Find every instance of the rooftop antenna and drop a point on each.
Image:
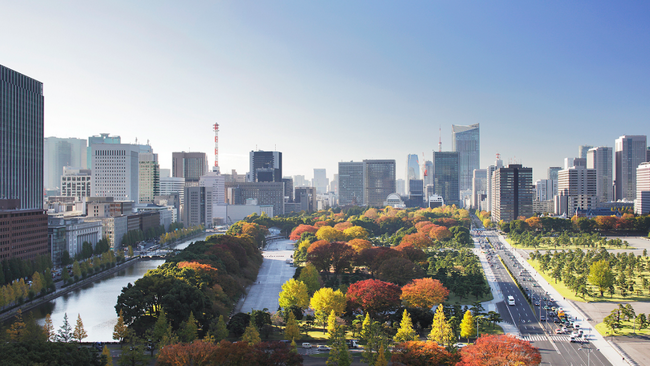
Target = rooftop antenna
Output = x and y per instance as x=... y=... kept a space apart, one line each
x=215 y=128
x=439 y=139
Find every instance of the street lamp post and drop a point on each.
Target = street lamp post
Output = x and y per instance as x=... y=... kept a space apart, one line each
x=589 y=350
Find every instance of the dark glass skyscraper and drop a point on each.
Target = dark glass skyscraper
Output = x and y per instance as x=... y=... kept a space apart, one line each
x=21 y=139
x=379 y=181
x=265 y=166
x=351 y=183
x=446 y=176
x=466 y=141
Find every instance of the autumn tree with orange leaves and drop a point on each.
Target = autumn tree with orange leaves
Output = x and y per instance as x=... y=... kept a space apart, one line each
x=373 y=296
x=199 y=353
x=424 y=293
x=500 y=350
x=298 y=231
x=418 y=353
x=440 y=233
x=417 y=240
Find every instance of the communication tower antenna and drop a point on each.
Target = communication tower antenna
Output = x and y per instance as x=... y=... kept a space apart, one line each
x=439 y=139
x=215 y=127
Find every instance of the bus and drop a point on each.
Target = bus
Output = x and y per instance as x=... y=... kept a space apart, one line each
x=511 y=301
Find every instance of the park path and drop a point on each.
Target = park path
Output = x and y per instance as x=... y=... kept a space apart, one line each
x=274 y=272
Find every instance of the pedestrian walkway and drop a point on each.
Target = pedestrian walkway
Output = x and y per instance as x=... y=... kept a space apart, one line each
x=596 y=338
x=508 y=328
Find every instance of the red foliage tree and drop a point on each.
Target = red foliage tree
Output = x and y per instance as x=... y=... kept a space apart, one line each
x=197 y=353
x=343 y=225
x=412 y=253
x=373 y=296
x=295 y=234
x=320 y=224
x=323 y=255
x=500 y=350
x=399 y=270
x=424 y=227
x=445 y=221
x=375 y=256
x=418 y=240
x=440 y=233
x=424 y=293
x=417 y=353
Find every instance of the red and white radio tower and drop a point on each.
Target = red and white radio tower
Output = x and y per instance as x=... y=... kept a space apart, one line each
x=215 y=127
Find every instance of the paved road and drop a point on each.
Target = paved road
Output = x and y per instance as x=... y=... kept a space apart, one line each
x=555 y=349
x=273 y=273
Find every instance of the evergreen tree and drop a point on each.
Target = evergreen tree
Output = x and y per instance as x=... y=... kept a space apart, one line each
x=65 y=332
x=467 y=325
x=220 y=331
x=189 y=330
x=339 y=354
x=405 y=333
x=251 y=335
x=440 y=330
x=79 y=332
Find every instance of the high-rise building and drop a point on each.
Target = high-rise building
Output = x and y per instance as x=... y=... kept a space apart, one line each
x=265 y=193
x=427 y=173
x=306 y=199
x=630 y=152
x=189 y=165
x=351 y=183
x=334 y=185
x=379 y=181
x=173 y=185
x=288 y=188
x=400 y=186
x=21 y=139
x=600 y=159
x=218 y=184
x=498 y=163
x=149 y=181
x=544 y=189
x=416 y=193
x=23 y=222
x=59 y=153
x=265 y=166
x=582 y=151
x=320 y=181
x=412 y=167
x=466 y=141
x=642 y=201
x=479 y=188
x=115 y=171
x=446 y=176
x=197 y=209
x=76 y=182
x=103 y=138
x=513 y=193
x=552 y=175
x=300 y=181
x=576 y=190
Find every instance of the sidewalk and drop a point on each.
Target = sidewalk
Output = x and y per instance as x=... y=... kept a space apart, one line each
x=595 y=338
x=496 y=291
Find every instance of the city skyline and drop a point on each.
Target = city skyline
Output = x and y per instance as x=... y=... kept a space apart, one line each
x=149 y=72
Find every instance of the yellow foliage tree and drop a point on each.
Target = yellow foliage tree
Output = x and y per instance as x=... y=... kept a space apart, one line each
x=330 y=234
x=467 y=325
x=294 y=293
x=355 y=232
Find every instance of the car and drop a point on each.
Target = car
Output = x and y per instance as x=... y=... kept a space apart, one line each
x=542 y=318
x=460 y=345
x=322 y=348
x=536 y=303
x=559 y=331
x=306 y=345
x=556 y=320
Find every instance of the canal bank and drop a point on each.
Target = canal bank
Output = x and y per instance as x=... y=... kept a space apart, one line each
x=95 y=299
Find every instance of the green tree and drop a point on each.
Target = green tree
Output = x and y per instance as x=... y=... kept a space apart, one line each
x=79 y=332
x=76 y=270
x=120 y=329
x=133 y=354
x=294 y=293
x=220 y=331
x=405 y=333
x=65 y=332
x=160 y=327
x=441 y=332
x=601 y=276
x=339 y=354
x=310 y=277
x=189 y=330
x=467 y=325
x=251 y=335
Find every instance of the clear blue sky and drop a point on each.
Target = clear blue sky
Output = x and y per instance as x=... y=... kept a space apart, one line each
x=334 y=81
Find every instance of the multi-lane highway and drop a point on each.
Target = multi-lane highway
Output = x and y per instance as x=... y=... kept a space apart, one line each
x=556 y=349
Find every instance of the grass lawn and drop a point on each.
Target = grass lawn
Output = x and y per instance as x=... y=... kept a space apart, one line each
x=625 y=331
x=567 y=247
x=569 y=294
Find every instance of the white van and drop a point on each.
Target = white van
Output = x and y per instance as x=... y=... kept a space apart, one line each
x=511 y=300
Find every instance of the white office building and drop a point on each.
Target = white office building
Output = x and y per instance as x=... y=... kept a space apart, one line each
x=600 y=159
x=76 y=182
x=642 y=201
x=115 y=171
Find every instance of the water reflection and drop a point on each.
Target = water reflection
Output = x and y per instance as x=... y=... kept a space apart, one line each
x=96 y=302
